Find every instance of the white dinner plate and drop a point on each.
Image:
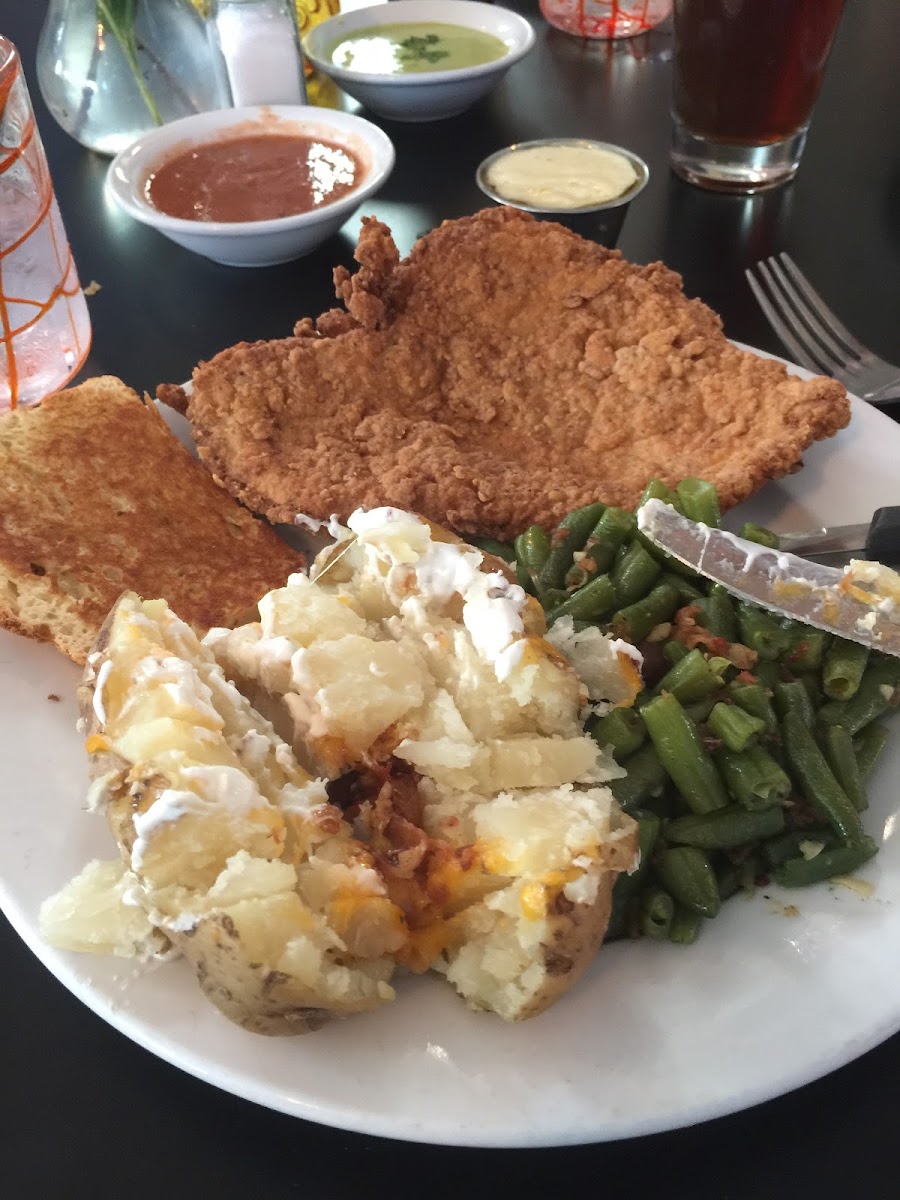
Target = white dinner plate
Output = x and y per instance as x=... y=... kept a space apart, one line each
x=654 y=1037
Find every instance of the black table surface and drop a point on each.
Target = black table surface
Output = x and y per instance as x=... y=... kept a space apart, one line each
x=85 y=1112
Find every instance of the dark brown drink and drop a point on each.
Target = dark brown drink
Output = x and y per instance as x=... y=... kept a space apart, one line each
x=747 y=72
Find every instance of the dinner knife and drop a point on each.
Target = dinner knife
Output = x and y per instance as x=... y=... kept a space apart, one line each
x=784 y=583
x=878 y=541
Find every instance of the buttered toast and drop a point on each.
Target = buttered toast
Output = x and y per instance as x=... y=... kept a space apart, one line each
x=98 y=496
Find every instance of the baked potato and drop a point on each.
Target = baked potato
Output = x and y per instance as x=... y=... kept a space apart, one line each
x=227 y=846
x=388 y=770
x=406 y=651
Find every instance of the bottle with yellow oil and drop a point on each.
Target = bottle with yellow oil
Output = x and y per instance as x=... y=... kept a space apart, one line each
x=311 y=13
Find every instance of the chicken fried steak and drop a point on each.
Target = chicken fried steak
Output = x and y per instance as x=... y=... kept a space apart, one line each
x=503 y=374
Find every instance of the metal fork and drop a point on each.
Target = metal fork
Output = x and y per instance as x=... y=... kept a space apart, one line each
x=815 y=336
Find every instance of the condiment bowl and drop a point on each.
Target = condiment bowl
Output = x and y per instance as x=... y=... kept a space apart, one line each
x=599 y=222
x=429 y=95
x=250 y=243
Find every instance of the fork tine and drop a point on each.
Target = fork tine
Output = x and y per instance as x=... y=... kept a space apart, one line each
x=816 y=302
x=842 y=358
x=797 y=349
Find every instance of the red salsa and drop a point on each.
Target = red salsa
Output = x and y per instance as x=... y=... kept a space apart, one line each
x=252 y=178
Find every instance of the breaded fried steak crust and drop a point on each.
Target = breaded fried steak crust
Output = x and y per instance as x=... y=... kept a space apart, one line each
x=504 y=373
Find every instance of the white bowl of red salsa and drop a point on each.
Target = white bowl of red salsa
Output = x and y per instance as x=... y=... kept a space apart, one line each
x=419 y=60
x=252 y=187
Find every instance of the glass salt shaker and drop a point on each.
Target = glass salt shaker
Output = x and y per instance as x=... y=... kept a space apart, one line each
x=260 y=54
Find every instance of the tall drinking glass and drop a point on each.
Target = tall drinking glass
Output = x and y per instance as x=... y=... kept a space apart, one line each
x=45 y=331
x=747 y=75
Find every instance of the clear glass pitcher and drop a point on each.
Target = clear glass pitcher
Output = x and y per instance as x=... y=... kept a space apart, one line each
x=109 y=70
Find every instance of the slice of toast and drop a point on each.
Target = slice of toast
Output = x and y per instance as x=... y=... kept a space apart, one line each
x=98 y=496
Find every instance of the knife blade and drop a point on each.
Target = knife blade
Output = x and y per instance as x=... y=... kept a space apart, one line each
x=879 y=540
x=784 y=583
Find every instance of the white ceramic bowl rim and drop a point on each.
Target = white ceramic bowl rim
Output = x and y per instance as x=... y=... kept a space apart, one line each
x=626 y=197
x=125 y=182
x=456 y=11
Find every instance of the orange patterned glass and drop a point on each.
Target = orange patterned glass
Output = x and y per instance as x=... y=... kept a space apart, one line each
x=45 y=331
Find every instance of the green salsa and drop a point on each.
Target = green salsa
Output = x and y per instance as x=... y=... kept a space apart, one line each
x=410 y=47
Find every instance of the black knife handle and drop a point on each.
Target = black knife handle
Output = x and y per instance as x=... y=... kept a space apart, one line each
x=883 y=542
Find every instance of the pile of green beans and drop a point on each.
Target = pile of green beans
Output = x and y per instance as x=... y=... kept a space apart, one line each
x=747 y=759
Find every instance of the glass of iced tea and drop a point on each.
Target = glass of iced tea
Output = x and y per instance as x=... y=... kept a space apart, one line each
x=747 y=74
x=45 y=331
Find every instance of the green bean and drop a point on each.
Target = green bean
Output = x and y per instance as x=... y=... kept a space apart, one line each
x=665 y=802
x=833 y=712
x=690 y=678
x=810 y=680
x=754 y=699
x=868 y=746
x=875 y=695
x=843 y=669
x=645 y=777
x=492 y=546
x=649 y=826
x=627 y=885
x=674 y=652
x=726 y=827
x=758 y=533
x=687 y=592
x=753 y=778
x=807 y=646
x=615 y=526
x=718 y=615
x=634 y=573
x=736 y=728
x=622 y=730
x=792 y=696
x=636 y=620
x=657 y=490
x=748 y=872
x=686 y=874
x=699 y=710
x=570 y=535
x=800 y=872
x=532 y=548
x=761 y=632
x=838 y=747
x=767 y=673
x=657 y=908
x=780 y=849
x=681 y=752
x=590 y=603
x=699 y=501
x=685 y=926
x=727 y=881
x=552 y=598
x=817 y=781
x=671 y=564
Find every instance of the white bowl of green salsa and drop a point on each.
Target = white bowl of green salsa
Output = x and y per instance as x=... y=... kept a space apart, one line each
x=419 y=60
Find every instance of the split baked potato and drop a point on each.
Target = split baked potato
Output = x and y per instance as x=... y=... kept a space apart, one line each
x=388 y=770
x=228 y=847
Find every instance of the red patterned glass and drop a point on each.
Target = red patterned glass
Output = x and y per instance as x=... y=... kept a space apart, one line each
x=605 y=18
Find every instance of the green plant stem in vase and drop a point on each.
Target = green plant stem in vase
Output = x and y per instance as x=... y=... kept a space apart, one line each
x=118 y=17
